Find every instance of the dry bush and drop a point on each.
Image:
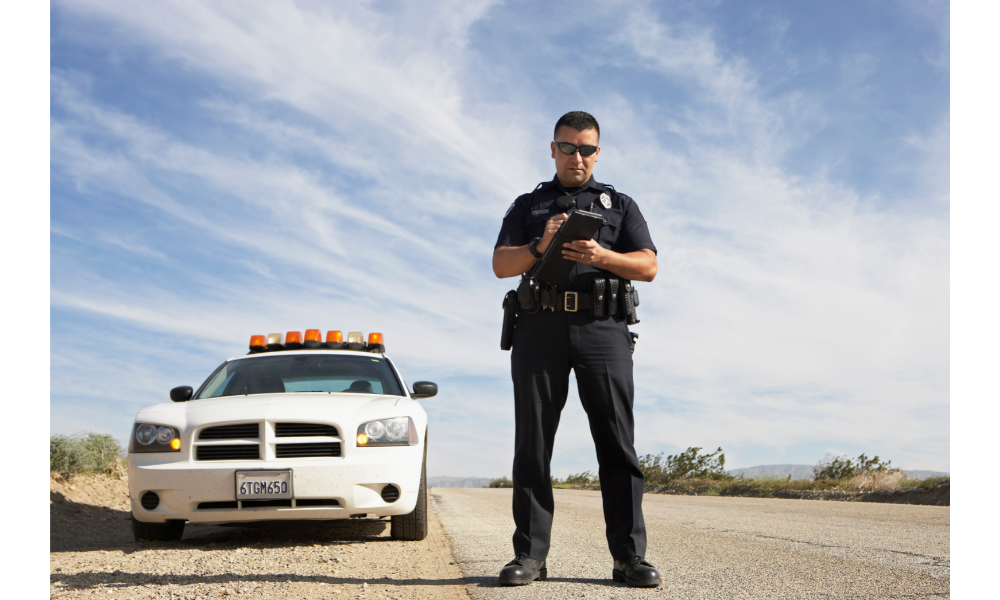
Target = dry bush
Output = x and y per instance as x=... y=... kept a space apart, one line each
x=870 y=481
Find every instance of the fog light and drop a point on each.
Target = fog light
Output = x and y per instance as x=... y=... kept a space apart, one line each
x=362 y=439
x=175 y=443
x=149 y=500
x=390 y=493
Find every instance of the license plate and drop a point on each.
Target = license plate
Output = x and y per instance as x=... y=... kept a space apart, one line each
x=263 y=485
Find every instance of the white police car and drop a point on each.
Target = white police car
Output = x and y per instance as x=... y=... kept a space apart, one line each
x=300 y=429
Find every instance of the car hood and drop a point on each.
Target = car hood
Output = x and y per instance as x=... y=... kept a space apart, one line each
x=338 y=408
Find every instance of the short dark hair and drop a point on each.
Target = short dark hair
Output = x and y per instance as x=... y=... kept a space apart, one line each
x=579 y=121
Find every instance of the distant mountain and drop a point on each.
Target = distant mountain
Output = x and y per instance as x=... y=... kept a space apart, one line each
x=796 y=471
x=926 y=474
x=806 y=472
x=458 y=482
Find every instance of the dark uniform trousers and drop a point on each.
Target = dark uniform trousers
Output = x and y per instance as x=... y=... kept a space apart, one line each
x=546 y=346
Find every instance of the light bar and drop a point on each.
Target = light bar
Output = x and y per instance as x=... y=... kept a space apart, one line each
x=334 y=340
x=355 y=340
x=295 y=340
x=312 y=339
x=274 y=342
x=258 y=343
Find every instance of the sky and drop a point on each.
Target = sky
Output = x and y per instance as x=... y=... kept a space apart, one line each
x=221 y=170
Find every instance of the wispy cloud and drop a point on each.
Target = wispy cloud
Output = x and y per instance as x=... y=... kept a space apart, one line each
x=309 y=165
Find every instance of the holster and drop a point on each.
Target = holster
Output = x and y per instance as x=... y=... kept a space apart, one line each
x=509 y=320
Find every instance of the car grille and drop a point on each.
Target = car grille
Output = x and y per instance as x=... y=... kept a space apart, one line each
x=228 y=452
x=263 y=438
x=301 y=503
x=238 y=431
x=304 y=430
x=266 y=503
x=307 y=450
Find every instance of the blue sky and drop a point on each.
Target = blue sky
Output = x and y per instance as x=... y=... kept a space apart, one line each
x=221 y=170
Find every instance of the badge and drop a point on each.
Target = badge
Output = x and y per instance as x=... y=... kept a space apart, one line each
x=605 y=201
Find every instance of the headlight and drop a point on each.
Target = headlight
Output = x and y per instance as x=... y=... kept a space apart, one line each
x=387 y=432
x=155 y=438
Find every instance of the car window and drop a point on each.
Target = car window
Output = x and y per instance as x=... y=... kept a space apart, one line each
x=289 y=373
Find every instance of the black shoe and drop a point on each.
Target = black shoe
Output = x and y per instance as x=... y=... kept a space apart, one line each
x=636 y=573
x=522 y=571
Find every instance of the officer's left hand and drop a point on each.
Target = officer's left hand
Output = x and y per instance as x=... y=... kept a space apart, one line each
x=587 y=252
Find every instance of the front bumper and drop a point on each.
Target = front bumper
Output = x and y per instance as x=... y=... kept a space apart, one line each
x=355 y=482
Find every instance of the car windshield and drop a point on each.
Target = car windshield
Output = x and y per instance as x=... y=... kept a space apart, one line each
x=338 y=373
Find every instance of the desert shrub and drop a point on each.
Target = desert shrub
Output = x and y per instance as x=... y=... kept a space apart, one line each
x=926 y=484
x=842 y=467
x=690 y=464
x=500 y=482
x=584 y=478
x=877 y=480
x=91 y=453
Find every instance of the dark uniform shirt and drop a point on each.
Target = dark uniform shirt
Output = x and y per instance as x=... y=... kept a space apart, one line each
x=624 y=229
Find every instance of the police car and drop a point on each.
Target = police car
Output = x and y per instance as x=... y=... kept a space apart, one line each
x=297 y=429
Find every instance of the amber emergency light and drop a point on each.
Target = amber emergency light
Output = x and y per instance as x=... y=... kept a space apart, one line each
x=258 y=343
x=334 y=340
x=375 y=342
x=293 y=340
x=176 y=442
x=362 y=439
x=312 y=339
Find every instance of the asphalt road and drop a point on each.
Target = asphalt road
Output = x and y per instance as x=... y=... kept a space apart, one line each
x=714 y=547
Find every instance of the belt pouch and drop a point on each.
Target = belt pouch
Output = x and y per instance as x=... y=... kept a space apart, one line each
x=598 y=290
x=628 y=308
x=527 y=295
x=613 y=296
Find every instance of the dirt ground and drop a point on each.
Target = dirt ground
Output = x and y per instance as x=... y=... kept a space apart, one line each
x=93 y=554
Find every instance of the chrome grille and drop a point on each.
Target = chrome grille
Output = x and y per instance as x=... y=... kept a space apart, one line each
x=307 y=450
x=304 y=430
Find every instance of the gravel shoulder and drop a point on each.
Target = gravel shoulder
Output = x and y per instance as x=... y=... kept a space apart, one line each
x=92 y=554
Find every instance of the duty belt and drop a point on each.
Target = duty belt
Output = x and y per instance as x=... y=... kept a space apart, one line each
x=607 y=298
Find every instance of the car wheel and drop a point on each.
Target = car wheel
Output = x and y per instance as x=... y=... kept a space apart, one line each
x=414 y=525
x=171 y=531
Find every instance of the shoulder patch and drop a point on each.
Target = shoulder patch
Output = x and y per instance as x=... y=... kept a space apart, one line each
x=509 y=208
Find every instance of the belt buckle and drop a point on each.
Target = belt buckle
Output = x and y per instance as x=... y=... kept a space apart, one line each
x=567 y=302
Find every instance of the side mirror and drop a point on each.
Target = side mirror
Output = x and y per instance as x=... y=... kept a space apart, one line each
x=182 y=393
x=424 y=389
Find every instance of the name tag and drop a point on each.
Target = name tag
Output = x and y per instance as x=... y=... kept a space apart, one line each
x=535 y=213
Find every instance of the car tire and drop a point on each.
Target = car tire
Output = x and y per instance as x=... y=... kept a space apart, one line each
x=413 y=527
x=171 y=531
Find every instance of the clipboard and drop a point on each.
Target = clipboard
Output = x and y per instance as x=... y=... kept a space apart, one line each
x=552 y=268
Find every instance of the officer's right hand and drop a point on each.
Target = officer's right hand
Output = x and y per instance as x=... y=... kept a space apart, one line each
x=551 y=227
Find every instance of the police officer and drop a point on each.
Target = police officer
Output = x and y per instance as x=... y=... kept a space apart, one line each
x=548 y=344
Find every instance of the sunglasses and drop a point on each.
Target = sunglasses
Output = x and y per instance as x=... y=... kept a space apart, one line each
x=568 y=148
